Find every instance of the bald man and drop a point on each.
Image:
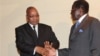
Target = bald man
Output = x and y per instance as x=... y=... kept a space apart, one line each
x=30 y=37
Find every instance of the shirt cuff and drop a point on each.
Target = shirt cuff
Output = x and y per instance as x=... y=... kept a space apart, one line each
x=34 y=51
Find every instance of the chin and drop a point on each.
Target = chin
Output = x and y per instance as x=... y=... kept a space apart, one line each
x=35 y=23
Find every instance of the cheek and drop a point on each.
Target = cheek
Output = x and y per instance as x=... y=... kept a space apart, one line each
x=73 y=13
x=34 y=19
x=31 y=20
x=77 y=14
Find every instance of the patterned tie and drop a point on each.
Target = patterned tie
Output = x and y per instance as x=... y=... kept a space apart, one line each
x=35 y=35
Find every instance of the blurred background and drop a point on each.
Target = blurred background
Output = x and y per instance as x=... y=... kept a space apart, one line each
x=52 y=12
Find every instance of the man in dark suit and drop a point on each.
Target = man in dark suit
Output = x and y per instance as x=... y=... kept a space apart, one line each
x=30 y=37
x=84 y=37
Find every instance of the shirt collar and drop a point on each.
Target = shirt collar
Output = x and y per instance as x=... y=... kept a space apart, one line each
x=82 y=17
x=36 y=26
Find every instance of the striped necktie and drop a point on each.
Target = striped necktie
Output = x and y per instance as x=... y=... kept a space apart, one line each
x=35 y=35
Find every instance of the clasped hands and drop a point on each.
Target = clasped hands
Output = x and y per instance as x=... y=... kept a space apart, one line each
x=48 y=50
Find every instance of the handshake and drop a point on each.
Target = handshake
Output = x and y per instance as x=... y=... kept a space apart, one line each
x=48 y=50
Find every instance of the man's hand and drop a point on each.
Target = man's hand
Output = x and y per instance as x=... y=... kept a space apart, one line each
x=51 y=50
x=47 y=45
x=41 y=50
x=48 y=50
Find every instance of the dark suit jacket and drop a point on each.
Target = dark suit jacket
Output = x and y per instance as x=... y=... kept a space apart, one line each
x=85 y=40
x=25 y=40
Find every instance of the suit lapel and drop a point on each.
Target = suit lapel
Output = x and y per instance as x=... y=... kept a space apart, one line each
x=29 y=30
x=84 y=24
x=40 y=30
x=72 y=31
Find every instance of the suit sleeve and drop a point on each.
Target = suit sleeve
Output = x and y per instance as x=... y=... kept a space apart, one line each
x=95 y=47
x=53 y=39
x=20 y=44
x=63 y=52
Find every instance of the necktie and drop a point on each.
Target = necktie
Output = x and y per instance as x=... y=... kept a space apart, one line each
x=77 y=24
x=35 y=35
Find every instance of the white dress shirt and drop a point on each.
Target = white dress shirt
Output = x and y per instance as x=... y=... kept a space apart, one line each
x=81 y=18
